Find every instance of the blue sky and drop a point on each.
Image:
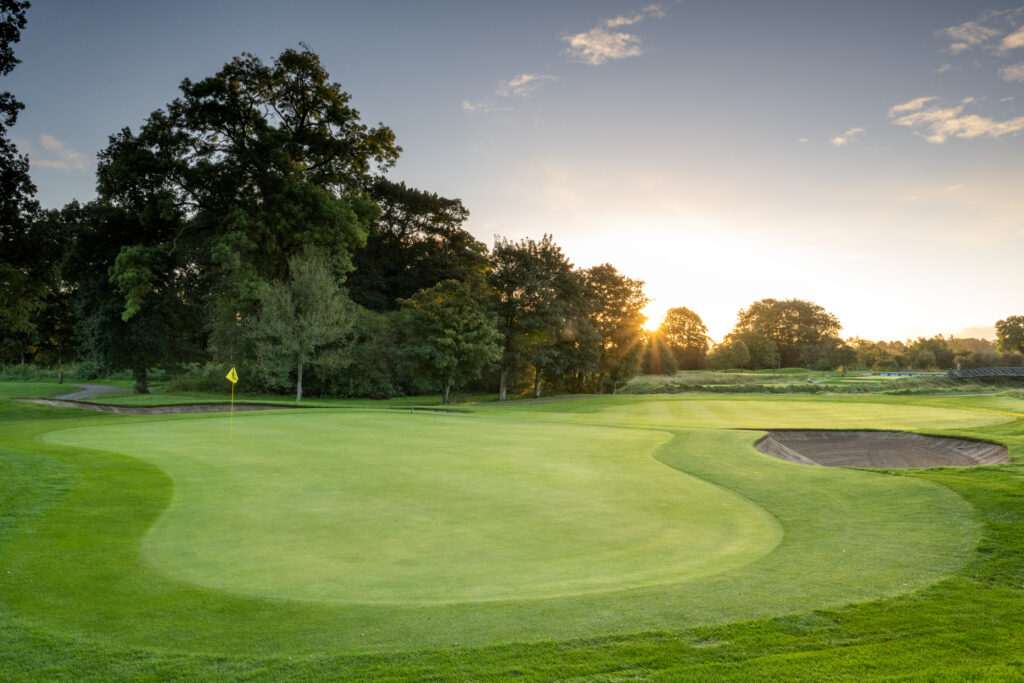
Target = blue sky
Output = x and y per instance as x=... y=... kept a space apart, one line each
x=867 y=156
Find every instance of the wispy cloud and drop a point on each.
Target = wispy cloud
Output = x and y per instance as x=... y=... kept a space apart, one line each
x=600 y=45
x=652 y=11
x=967 y=35
x=61 y=156
x=912 y=105
x=944 y=68
x=1013 y=41
x=986 y=30
x=524 y=85
x=937 y=123
x=847 y=137
x=482 y=107
x=1014 y=72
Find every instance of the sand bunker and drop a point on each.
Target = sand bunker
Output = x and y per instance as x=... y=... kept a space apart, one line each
x=879 y=449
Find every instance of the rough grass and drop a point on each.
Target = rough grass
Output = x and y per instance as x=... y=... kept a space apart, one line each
x=965 y=626
x=797 y=381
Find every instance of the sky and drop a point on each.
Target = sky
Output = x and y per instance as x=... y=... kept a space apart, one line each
x=867 y=156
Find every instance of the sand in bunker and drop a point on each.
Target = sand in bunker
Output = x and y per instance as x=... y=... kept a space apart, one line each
x=879 y=449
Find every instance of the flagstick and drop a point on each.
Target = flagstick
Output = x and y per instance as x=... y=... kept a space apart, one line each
x=231 y=415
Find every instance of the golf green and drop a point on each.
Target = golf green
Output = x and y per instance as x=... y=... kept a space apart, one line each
x=395 y=508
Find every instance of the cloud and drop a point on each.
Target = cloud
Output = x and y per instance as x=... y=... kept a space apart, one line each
x=954 y=188
x=654 y=11
x=968 y=35
x=944 y=68
x=599 y=45
x=1014 y=72
x=483 y=107
x=937 y=124
x=847 y=137
x=524 y=85
x=802 y=140
x=912 y=105
x=983 y=32
x=66 y=158
x=1013 y=41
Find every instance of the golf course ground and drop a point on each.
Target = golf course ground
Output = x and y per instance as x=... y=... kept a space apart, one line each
x=595 y=538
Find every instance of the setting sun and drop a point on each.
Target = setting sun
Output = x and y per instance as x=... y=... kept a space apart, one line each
x=655 y=313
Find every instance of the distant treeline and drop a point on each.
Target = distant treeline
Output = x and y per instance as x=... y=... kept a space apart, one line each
x=795 y=333
x=251 y=223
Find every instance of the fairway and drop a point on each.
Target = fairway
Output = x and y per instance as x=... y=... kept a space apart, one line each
x=355 y=530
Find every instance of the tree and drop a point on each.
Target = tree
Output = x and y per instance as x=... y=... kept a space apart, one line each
x=930 y=353
x=450 y=338
x=846 y=357
x=163 y=332
x=618 y=318
x=793 y=325
x=740 y=353
x=686 y=335
x=763 y=352
x=1010 y=334
x=373 y=359
x=300 y=318
x=540 y=307
x=25 y=266
x=720 y=357
x=237 y=176
x=658 y=355
x=417 y=242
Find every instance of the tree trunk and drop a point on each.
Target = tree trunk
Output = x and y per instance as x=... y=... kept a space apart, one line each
x=446 y=395
x=536 y=382
x=503 y=384
x=141 y=381
x=298 y=383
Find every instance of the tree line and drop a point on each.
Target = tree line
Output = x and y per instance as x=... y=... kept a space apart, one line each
x=796 y=333
x=251 y=222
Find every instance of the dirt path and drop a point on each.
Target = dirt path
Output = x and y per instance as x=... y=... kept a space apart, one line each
x=88 y=391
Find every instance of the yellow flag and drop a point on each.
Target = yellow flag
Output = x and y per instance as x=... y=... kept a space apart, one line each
x=233 y=376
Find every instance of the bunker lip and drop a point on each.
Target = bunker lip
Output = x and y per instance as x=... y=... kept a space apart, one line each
x=157 y=410
x=182 y=408
x=878 y=449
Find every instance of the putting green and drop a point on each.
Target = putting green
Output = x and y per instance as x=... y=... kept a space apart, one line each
x=362 y=530
x=398 y=508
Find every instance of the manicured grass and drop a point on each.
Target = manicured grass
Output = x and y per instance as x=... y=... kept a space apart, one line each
x=80 y=601
x=379 y=508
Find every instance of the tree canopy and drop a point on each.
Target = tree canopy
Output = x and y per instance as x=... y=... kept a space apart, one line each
x=1010 y=334
x=450 y=336
x=240 y=173
x=26 y=260
x=801 y=332
x=686 y=335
